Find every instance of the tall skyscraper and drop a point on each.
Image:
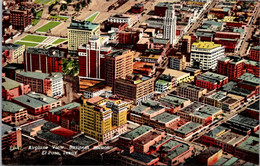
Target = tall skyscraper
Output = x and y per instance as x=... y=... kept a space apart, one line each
x=79 y=33
x=169 y=25
x=89 y=58
x=118 y=65
x=102 y=118
x=92 y=58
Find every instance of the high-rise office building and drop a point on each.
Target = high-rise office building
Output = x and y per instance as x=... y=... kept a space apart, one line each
x=102 y=118
x=20 y=19
x=89 y=58
x=207 y=54
x=79 y=33
x=118 y=65
x=45 y=60
x=169 y=25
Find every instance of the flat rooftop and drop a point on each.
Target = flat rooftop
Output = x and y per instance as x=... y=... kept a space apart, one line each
x=212 y=77
x=216 y=131
x=143 y=108
x=30 y=126
x=250 y=78
x=206 y=111
x=116 y=53
x=162 y=141
x=200 y=110
x=141 y=157
x=251 y=144
x=173 y=99
x=231 y=138
x=205 y=45
x=254 y=106
x=245 y=121
x=83 y=25
x=8 y=106
x=218 y=95
x=58 y=110
x=5 y=129
x=175 y=73
x=188 y=127
x=191 y=87
x=40 y=76
x=83 y=140
x=137 y=132
x=35 y=100
x=9 y=84
x=165 y=117
x=144 y=139
x=164 y=4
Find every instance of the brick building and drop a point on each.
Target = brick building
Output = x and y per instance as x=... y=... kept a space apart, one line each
x=252 y=67
x=200 y=113
x=223 y=138
x=37 y=104
x=45 y=60
x=249 y=82
x=231 y=66
x=211 y=80
x=13 y=114
x=254 y=53
x=13 y=51
x=67 y=116
x=49 y=84
x=161 y=7
x=249 y=150
x=134 y=87
x=174 y=102
x=223 y=100
x=92 y=59
x=137 y=8
x=192 y=92
x=20 y=19
x=177 y=62
x=130 y=35
x=11 y=137
x=118 y=65
x=185 y=44
x=12 y=89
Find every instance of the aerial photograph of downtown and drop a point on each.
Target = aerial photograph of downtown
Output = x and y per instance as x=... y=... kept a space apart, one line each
x=130 y=82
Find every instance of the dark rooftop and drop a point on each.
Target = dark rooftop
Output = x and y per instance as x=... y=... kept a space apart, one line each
x=139 y=157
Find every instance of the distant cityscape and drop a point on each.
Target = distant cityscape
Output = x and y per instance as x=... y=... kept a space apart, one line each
x=130 y=82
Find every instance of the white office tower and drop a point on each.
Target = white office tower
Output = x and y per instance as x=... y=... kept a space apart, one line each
x=169 y=26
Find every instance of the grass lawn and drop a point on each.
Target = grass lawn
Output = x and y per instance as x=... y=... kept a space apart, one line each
x=92 y=18
x=59 y=17
x=27 y=44
x=34 y=38
x=46 y=1
x=48 y=26
x=35 y=21
x=38 y=1
x=39 y=14
x=58 y=41
x=38 y=17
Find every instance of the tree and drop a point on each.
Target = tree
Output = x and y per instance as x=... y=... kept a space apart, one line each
x=77 y=7
x=33 y=12
x=83 y=4
x=63 y=7
x=50 y=8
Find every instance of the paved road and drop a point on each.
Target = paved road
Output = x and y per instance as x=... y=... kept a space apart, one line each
x=249 y=30
x=200 y=20
x=226 y=117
